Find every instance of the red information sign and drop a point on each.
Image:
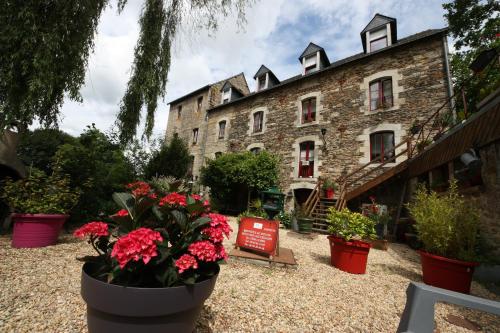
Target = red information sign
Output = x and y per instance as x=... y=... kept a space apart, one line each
x=258 y=235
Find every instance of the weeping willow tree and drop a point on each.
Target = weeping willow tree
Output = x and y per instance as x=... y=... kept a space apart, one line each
x=45 y=46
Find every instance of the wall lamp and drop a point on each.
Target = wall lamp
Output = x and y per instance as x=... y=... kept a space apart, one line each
x=323 y=133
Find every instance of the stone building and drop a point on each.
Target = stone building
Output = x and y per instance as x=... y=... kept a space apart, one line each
x=329 y=119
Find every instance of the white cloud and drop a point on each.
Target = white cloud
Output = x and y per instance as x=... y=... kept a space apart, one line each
x=275 y=34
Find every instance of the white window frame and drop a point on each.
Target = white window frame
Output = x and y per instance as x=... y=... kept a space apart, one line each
x=251 y=114
x=364 y=140
x=318 y=143
x=319 y=109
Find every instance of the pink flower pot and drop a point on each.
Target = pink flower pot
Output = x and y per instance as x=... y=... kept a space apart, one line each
x=36 y=230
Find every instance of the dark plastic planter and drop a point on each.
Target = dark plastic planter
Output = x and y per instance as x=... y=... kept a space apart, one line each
x=451 y=274
x=36 y=230
x=351 y=256
x=112 y=308
x=305 y=224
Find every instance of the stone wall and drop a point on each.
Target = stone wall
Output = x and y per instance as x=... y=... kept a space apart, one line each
x=487 y=198
x=420 y=87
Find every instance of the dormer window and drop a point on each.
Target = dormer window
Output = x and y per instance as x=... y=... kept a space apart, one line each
x=310 y=64
x=226 y=95
x=262 y=82
x=378 y=39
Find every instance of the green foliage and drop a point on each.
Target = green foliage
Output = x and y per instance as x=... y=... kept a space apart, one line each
x=328 y=183
x=255 y=210
x=285 y=219
x=474 y=25
x=40 y=194
x=349 y=225
x=446 y=224
x=99 y=167
x=164 y=185
x=37 y=148
x=44 y=48
x=257 y=172
x=171 y=159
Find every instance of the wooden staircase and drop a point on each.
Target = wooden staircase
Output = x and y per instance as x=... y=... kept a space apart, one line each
x=320 y=213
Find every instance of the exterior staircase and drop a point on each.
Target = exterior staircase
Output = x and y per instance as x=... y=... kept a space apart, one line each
x=319 y=214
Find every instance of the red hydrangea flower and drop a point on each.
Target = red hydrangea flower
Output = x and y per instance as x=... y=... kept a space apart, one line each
x=215 y=234
x=95 y=228
x=206 y=204
x=185 y=262
x=137 y=244
x=139 y=189
x=219 y=221
x=221 y=251
x=204 y=250
x=122 y=212
x=196 y=197
x=173 y=198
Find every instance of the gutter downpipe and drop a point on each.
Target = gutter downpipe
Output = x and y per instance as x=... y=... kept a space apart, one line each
x=448 y=77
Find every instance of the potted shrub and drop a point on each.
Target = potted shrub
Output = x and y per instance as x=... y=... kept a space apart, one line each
x=304 y=221
x=349 y=252
x=447 y=227
x=329 y=188
x=381 y=218
x=40 y=204
x=156 y=264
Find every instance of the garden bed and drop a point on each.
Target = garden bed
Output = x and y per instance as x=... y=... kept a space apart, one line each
x=38 y=296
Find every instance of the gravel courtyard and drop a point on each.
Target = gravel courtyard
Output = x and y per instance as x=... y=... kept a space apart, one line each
x=40 y=292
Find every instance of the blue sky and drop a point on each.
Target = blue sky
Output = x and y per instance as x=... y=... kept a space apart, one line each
x=277 y=31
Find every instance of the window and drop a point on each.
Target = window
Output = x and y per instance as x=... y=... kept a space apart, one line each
x=381 y=94
x=306 y=159
x=378 y=39
x=199 y=103
x=258 y=120
x=222 y=129
x=310 y=64
x=226 y=95
x=255 y=150
x=218 y=154
x=195 y=136
x=382 y=146
x=308 y=110
x=262 y=82
x=179 y=111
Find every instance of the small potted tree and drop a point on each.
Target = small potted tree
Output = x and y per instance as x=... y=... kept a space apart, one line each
x=447 y=227
x=40 y=205
x=329 y=187
x=381 y=218
x=349 y=252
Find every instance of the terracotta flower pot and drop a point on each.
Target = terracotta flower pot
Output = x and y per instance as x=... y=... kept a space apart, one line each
x=36 y=230
x=451 y=274
x=112 y=308
x=349 y=256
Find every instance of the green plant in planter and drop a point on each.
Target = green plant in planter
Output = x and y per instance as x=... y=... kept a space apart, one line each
x=285 y=219
x=40 y=194
x=350 y=225
x=329 y=184
x=446 y=224
x=422 y=144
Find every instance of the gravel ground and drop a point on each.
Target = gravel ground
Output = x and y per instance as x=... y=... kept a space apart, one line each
x=39 y=292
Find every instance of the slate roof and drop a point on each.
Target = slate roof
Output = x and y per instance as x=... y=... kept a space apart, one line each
x=312 y=49
x=377 y=21
x=339 y=63
x=263 y=70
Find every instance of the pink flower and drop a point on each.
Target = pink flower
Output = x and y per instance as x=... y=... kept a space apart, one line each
x=206 y=204
x=173 y=199
x=122 y=212
x=139 y=189
x=215 y=234
x=204 y=250
x=185 y=262
x=93 y=228
x=196 y=197
x=137 y=244
x=219 y=221
x=221 y=251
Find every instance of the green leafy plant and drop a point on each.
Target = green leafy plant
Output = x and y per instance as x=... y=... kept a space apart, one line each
x=423 y=144
x=285 y=219
x=328 y=183
x=350 y=225
x=255 y=210
x=40 y=194
x=446 y=224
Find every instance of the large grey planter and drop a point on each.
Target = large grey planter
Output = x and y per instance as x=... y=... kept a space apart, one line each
x=112 y=308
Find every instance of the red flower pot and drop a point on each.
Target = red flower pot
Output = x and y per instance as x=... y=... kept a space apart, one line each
x=36 y=230
x=329 y=193
x=451 y=274
x=349 y=256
